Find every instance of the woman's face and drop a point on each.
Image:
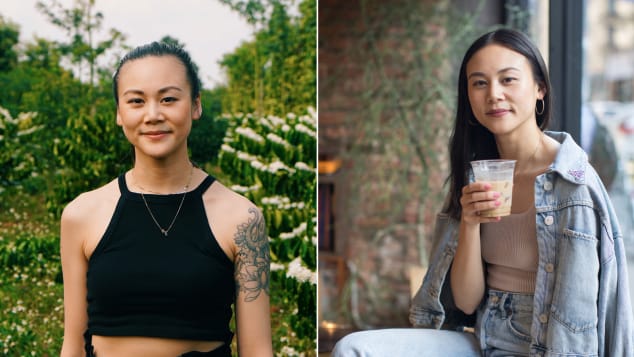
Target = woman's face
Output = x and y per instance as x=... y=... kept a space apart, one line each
x=155 y=106
x=501 y=88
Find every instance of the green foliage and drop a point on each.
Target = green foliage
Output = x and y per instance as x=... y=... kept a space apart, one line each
x=43 y=54
x=271 y=160
x=293 y=314
x=9 y=35
x=18 y=154
x=272 y=153
x=93 y=149
x=275 y=73
x=305 y=82
x=31 y=298
x=252 y=10
x=39 y=75
x=207 y=133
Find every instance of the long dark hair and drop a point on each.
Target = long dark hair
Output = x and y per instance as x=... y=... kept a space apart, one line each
x=472 y=141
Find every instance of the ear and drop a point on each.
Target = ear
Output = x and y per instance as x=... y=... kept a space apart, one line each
x=197 y=109
x=119 y=121
x=541 y=91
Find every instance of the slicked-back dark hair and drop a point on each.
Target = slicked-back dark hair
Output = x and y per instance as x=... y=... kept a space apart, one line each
x=159 y=49
x=472 y=141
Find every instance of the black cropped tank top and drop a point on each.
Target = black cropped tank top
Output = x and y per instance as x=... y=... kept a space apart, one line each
x=142 y=283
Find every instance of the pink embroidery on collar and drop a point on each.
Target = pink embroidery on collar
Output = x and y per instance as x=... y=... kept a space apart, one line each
x=577 y=174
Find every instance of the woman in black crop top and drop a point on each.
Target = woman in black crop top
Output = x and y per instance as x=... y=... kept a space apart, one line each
x=154 y=261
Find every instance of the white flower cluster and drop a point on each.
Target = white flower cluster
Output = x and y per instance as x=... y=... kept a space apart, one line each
x=308 y=120
x=250 y=133
x=246 y=156
x=278 y=140
x=283 y=202
x=254 y=161
x=300 y=272
x=303 y=166
x=257 y=165
x=288 y=351
x=304 y=129
x=276 y=166
x=276 y=200
x=277 y=266
x=26 y=116
x=5 y=117
x=312 y=112
x=265 y=122
x=227 y=148
x=272 y=167
x=276 y=121
x=297 y=231
x=30 y=130
x=244 y=189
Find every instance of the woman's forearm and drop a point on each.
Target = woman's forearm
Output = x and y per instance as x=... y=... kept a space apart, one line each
x=467 y=272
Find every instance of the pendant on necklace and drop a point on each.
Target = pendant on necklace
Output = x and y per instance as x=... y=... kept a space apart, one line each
x=164 y=232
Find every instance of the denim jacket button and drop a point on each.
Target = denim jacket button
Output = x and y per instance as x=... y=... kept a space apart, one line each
x=550 y=267
x=548 y=185
x=549 y=220
x=543 y=318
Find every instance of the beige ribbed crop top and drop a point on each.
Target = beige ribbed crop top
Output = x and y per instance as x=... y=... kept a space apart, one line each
x=509 y=248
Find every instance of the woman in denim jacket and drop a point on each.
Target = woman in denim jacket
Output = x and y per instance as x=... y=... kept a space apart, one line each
x=548 y=280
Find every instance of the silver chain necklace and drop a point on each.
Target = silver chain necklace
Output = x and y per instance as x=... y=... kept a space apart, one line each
x=165 y=231
x=539 y=144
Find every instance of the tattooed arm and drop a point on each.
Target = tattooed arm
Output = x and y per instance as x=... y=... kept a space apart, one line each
x=241 y=232
x=252 y=262
x=252 y=258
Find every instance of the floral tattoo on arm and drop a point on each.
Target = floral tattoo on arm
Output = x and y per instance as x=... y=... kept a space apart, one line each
x=253 y=257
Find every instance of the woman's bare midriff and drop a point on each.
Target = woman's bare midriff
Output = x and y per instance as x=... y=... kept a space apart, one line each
x=115 y=346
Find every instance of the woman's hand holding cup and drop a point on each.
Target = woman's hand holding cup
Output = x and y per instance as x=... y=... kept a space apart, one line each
x=477 y=197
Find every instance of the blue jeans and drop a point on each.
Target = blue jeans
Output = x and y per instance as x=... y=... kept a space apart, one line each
x=504 y=324
x=502 y=329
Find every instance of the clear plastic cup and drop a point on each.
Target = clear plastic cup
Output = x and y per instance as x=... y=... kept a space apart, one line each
x=499 y=173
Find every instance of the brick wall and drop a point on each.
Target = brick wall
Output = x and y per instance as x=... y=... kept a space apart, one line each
x=382 y=224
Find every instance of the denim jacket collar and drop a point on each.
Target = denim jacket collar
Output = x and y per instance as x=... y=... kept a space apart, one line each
x=571 y=161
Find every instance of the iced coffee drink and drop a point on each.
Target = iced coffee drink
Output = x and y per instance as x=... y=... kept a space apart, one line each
x=499 y=173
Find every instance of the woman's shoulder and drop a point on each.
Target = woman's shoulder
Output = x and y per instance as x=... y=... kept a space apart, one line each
x=230 y=215
x=88 y=203
x=230 y=204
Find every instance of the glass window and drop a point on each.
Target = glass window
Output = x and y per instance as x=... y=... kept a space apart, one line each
x=608 y=109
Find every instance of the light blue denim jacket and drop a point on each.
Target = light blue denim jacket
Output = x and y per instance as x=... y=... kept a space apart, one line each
x=582 y=301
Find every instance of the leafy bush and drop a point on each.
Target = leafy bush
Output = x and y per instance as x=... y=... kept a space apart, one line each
x=31 y=322
x=92 y=149
x=18 y=154
x=271 y=160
